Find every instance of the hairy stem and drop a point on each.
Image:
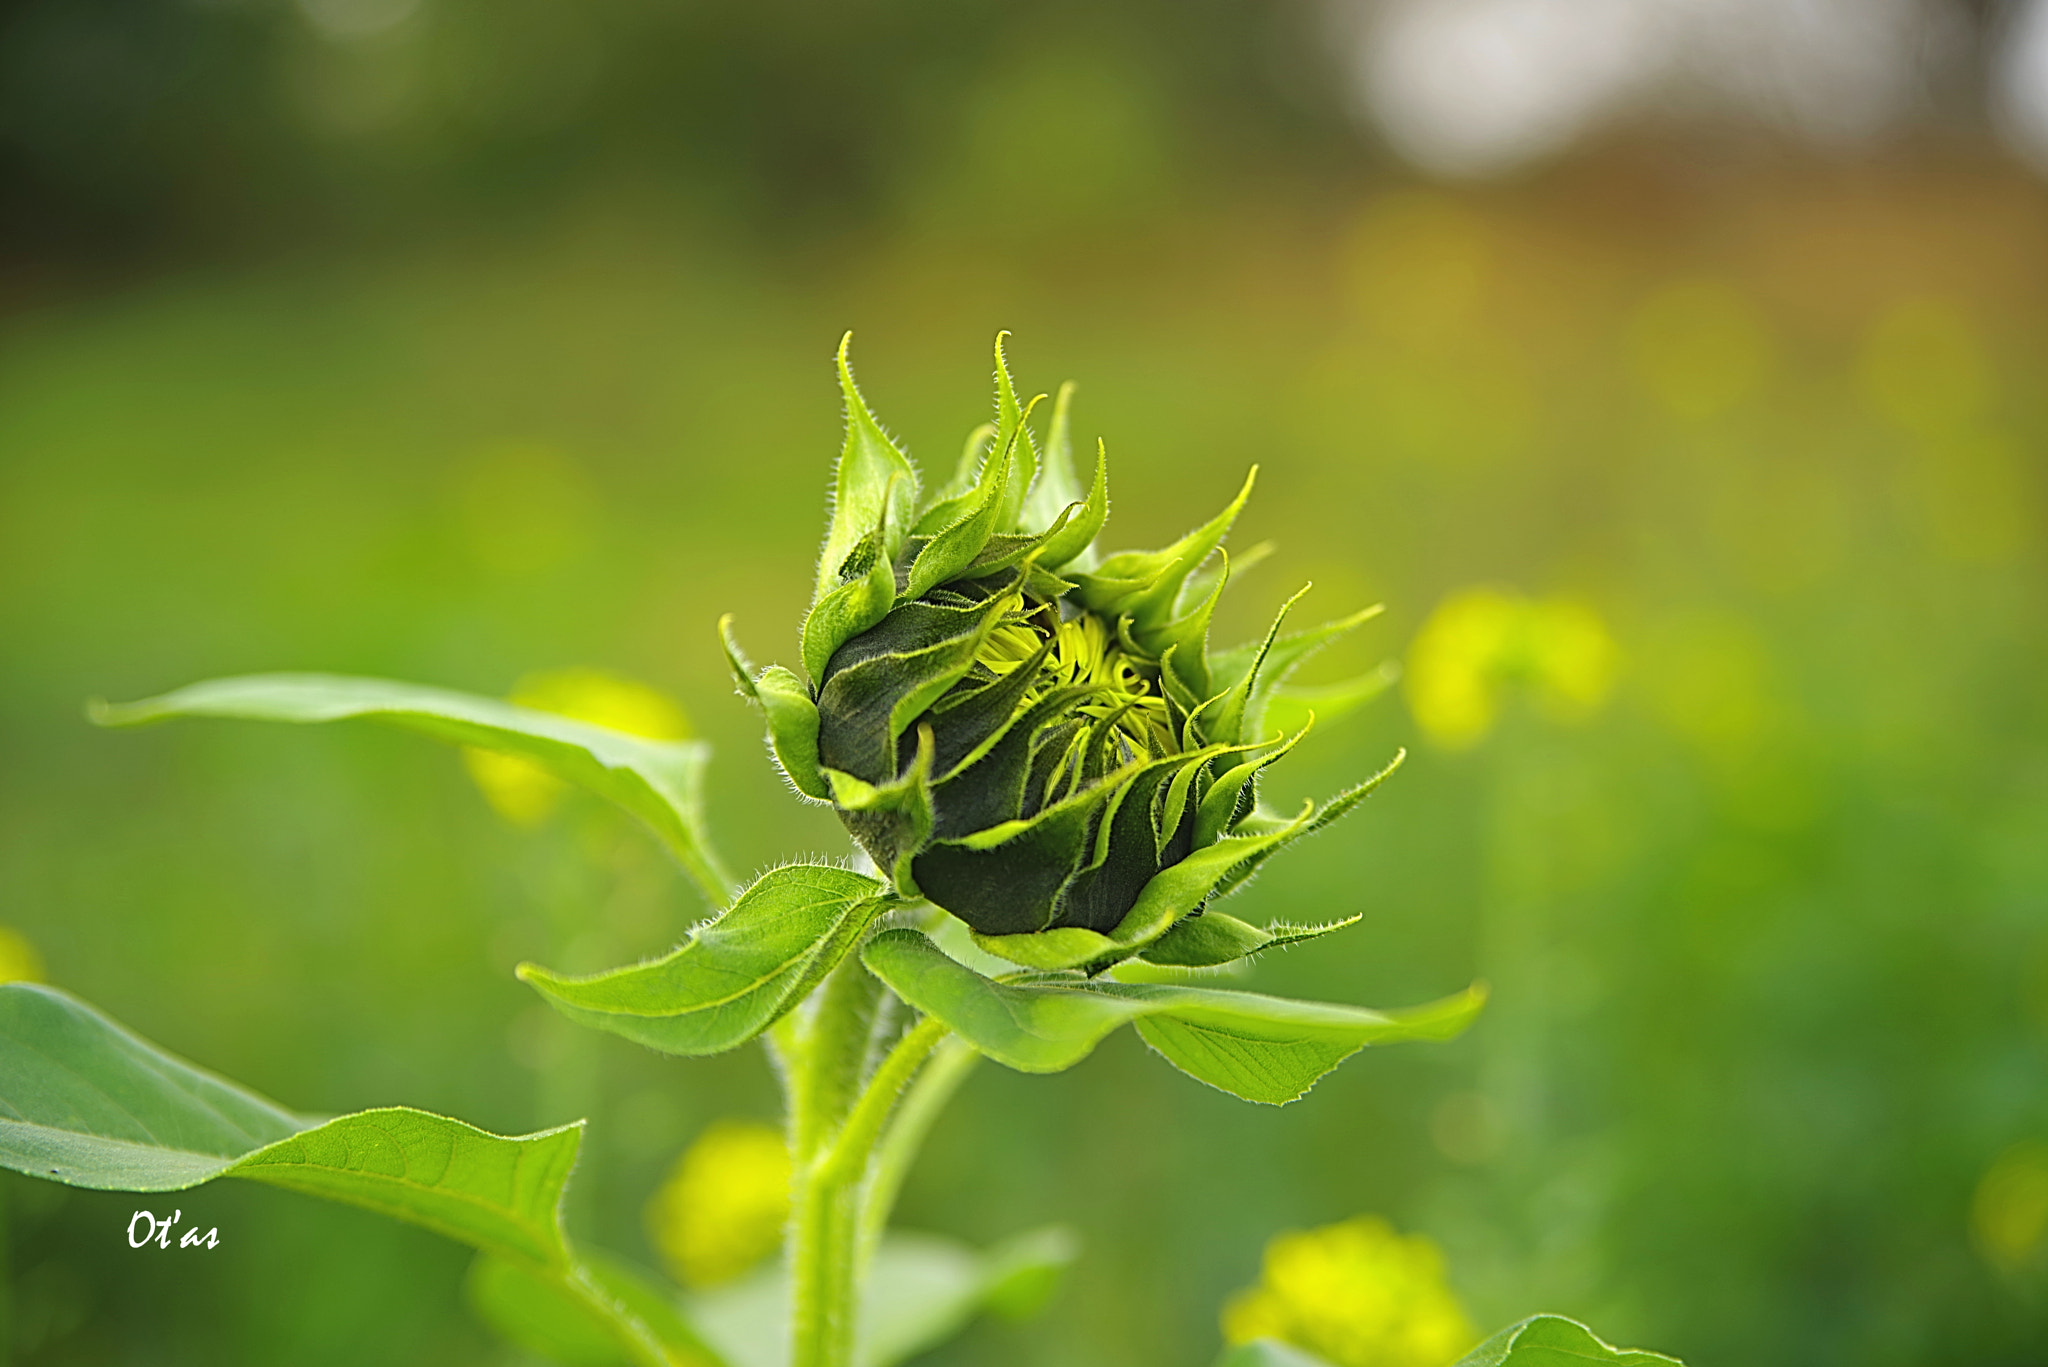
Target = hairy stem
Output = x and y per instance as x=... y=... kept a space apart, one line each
x=948 y=1067
x=837 y=1119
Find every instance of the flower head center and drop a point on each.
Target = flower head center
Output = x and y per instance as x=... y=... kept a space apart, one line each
x=1122 y=687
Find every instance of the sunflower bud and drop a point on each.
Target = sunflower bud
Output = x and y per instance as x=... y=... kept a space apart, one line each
x=1037 y=740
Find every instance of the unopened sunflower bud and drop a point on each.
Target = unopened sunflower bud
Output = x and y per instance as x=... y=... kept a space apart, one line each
x=1039 y=742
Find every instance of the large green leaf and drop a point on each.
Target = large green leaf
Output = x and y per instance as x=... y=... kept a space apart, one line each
x=480 y=1188
x=921 y=1290
x=659 y=781
x=88 y=1103
x=1554 y=1341
x=1260 y=1048
x=733 y=977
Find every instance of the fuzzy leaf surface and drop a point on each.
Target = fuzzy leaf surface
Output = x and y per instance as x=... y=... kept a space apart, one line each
x=733 y=977
x=485 y=1190
x=876 y=485
x=1214 y=939
x=660 y=782
x=1260 y=1048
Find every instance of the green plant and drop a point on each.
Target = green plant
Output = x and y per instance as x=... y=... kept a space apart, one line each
x=1050 y=776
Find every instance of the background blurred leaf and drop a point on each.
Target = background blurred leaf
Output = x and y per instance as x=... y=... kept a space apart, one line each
x=661 y=782
x=922 y=1291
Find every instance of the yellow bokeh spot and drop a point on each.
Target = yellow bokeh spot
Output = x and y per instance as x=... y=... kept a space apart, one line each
x=2009 y=1214
x=1482 y=641
x=1924 y=366
x=522 y=791
x=722 y=1208
x=1699 y=347
x=1356 y=1293
x=19 y=961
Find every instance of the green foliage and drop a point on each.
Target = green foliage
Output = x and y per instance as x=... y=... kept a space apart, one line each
x=734 y=976
x=660 y=782
x=91 y=1105
x=493 y=1193
x=94 y=1105
x=1554 y=1341
x=1256 y=1047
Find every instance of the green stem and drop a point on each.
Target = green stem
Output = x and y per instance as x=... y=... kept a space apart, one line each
x=949 y=1066
x=848 y=1158
x=836 y=1123
x=830 y=1047
x=821 y=1060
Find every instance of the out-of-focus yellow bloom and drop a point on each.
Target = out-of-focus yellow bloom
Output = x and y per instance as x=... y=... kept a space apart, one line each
x=1480 y=641
x=1356 y=1293
x=2009 y=1214
x=523 y=792
x=19 y=961
x=722 y=1208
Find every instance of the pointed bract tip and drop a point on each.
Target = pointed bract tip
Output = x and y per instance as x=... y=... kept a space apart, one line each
x=846 y=368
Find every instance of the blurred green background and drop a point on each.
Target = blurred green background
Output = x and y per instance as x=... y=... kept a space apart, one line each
x=451 y=341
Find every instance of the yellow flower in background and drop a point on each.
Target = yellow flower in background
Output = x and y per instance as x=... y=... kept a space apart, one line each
x=523 y=792
x=19 y=961
x=2009 y=1214
x=1356 y=1293
x=1481 y=641
x=722 y=1208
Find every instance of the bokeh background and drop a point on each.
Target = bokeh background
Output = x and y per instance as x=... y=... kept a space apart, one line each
x=1672 y=371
